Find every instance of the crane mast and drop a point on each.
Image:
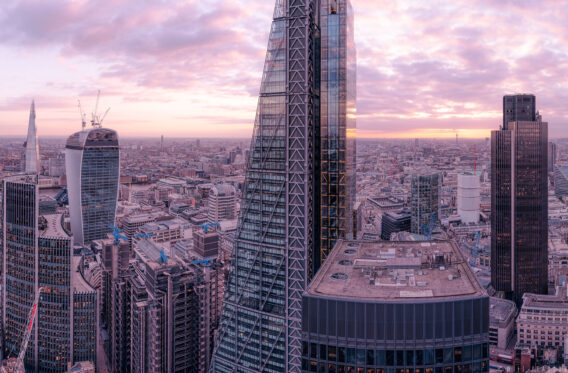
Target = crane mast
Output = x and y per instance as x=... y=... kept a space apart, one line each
x=31 y=318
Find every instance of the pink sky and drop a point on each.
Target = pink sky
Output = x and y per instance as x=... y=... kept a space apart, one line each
x=428 y=68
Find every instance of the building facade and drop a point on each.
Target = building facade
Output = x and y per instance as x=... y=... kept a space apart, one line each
x=543 y=320
x=92 y=163
x=38 y=254
x=518 y=108
x=425 y=201
x=261 y=318
x=469 y=197
x=552 y=153
x=394 y=221
x=298 y=191
x=395 y=307
x=519 y=209
x=502 y=315
x=222 y=203
x=337 y=121
x=561 y=181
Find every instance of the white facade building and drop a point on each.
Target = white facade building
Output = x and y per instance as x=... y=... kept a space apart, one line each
x=222 y=203
x=469 y=197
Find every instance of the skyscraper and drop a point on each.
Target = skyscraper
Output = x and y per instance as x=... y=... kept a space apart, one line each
x=338 y=109
x=92 y=160
x=519 y=208
x=32 y=164
x=518 y=108
x=38 y=254
x=425 y=201
x=552 y=152
x=297 y=185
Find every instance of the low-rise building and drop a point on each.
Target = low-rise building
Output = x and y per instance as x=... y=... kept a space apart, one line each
x=502 y=315
x=543 y=321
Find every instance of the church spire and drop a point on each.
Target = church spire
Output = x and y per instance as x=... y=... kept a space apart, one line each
x=32 y=150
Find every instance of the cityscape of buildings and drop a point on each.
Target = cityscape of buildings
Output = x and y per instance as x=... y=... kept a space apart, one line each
x=303 y=250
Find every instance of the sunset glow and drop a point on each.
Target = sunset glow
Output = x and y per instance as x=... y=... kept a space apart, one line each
x=193 y=68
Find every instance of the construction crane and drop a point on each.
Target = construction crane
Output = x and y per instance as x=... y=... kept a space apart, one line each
x=116 y=234
x=427 y=230
x=83 y=115
x=96 y=119
x=28 y=332
x=206 y=226
x=207 y=262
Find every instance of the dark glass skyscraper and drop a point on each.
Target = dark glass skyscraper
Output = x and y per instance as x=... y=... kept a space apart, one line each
x=338 y=110
x=302 y=155
x=518 y=108
x=92 y=161
x=38 y=254
x=519 y=208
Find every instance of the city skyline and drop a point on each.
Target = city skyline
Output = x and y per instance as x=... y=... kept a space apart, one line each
x=438 y=78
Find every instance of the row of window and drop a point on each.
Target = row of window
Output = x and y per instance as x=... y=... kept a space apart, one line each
x=314 y=366
x=395 y=357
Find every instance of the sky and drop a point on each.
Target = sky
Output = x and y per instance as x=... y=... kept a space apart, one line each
x=192 y=68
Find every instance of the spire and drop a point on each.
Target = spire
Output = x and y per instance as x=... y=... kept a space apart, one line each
x=32 y=150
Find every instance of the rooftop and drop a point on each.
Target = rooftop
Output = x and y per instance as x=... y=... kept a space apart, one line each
x=395 y=271
x=557 y=301
x=80 y=285
x=501 y=310
x=52 y=227
x=151 y=253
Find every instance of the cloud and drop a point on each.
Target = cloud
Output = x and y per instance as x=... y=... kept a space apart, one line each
x=421 y=65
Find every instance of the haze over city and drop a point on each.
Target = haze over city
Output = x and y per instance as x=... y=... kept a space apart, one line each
x=193 y=68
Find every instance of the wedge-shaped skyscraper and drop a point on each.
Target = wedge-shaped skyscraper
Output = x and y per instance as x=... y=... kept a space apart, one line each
x=298 y=193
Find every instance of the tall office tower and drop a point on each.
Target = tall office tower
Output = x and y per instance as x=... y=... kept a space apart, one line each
x=519 y=209
x=338 y=111
x=32 y=164
x=520 y=107
x=173 y=314
x=425 y=201
x=92 y=161
x=162 y=144
x=261 y=318
x=222 y=203
x=552 y=152
x=38 y=254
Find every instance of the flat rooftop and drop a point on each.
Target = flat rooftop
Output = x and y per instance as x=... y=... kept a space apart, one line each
x=558 y=301
x=53 y=227
x=395 y=271
x=501 y=311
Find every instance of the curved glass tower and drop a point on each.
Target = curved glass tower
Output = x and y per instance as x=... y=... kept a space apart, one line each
x=92 y=161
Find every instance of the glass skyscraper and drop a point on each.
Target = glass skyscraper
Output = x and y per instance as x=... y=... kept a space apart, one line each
x=92 y=161
x=298 y=191
x=519 y=208
x=338 y=110
x=38 y=254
